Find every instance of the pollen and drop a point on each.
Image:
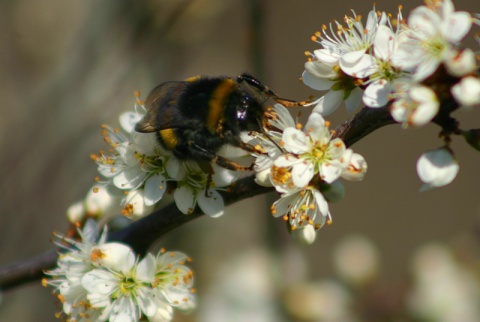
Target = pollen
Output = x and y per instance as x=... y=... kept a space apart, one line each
x=285 y=217
x=193 y=290
x=44 y=282
x=127 y=210
x=329 y=222
x=299 y=126
x=95 y=190
x=280 y=175
x=96 y=254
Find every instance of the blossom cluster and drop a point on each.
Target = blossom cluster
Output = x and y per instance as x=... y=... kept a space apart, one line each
x=418 y=66
x=96 y=280
x=304 y=164
x=136 y=172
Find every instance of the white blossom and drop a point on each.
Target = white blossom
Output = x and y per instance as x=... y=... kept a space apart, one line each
x=71 y=267
x=123 y=291
x=431 y=31
x=302 y=207
x=415 y=104
x=467 y=92
x=342 y=55
x=193 y=187
x=437 y=168
x=279 y=119
x=313 y=152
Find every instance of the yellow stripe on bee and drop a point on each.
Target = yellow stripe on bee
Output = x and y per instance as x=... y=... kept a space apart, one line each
x=217 y=102
x=169 y=138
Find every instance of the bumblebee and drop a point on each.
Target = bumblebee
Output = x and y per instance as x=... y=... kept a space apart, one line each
x=194 y=118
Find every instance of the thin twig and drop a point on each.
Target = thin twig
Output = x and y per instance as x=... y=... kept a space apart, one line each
x=142 y=233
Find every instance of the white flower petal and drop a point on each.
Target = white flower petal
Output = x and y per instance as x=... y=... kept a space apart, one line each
x=353 y=100
x=129 y=178
x=315 y=82
x=175 y=169
x=155 y=187
x=184 y=199
x=425 y=69
x=384 y=42
x=302 y=173
x=114 y=256
x=322 y=204
x=306 y=235
x=146 y=269
x=263 y=178
x=457 y=26
x=377 y=93
x=212 y=204
x=99 y=282
x=358 y=64
x=327 y=56
x=223 y=177
x=138 y=208
x=328 y=103
x=330 y=172
x=128 y=120
x=295 y=141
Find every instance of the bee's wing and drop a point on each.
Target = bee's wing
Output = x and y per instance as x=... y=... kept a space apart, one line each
x=162 y=109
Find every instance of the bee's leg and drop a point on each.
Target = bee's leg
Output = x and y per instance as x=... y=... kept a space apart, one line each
x=290 y=103
x=249 y=148
x=221 y=161
x=206 y=166
x=230 y=165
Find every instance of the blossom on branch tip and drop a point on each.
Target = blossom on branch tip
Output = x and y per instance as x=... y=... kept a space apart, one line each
x=313 y=152
x=193 y=187
x=342 y=56
x=414 y=105
x=106 y=281
x=467 y=92
x=437 y=168
x=431 y=31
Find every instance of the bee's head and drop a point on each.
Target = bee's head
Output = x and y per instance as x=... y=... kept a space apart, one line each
x=248 y=111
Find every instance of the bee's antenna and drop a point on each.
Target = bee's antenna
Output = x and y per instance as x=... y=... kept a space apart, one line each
x=252 y=81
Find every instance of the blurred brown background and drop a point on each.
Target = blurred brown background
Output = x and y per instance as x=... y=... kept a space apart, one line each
x=66 y=66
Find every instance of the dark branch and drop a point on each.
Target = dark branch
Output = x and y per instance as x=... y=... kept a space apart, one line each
x=142 y=233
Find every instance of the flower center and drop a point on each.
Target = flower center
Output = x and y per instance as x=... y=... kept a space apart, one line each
x=435 y=46
x=128 y=286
